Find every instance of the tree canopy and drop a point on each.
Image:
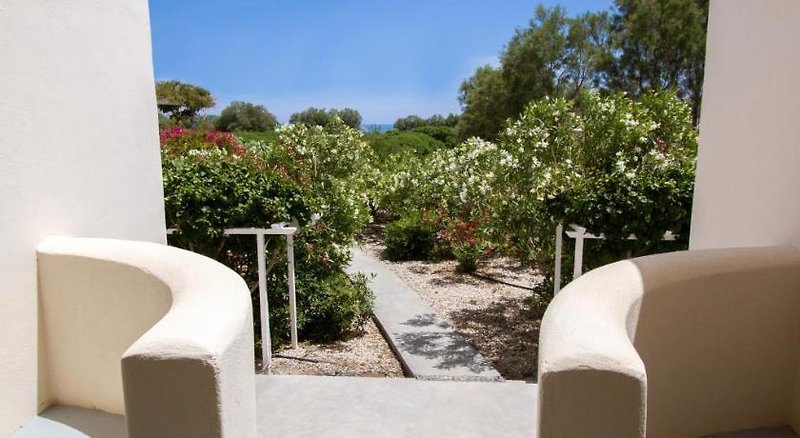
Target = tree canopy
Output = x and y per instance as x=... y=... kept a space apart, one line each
x=413 y=121
x=182 y=101
x=642 y=45
x=321 y=117
x=246 y=116
x=659 y=45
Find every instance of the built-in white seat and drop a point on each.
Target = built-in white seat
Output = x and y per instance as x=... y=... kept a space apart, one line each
x=159 y=335
x=684 y=344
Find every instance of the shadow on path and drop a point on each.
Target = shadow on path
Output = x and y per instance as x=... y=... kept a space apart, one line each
x=441 y=344
x=506 y=332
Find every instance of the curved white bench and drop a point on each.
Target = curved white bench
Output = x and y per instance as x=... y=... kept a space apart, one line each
x=675 y=345
x=158 y=334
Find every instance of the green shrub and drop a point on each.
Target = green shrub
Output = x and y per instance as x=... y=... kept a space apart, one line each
x=245 y=116
x=444 y=134
x=410 y=238
x=337 y=302
x=613 y=164
x=266 y=137
x=210 y=187
x=403 y=143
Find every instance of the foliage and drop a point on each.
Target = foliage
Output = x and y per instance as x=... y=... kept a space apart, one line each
x=458 y=180
x=412 y=122
x=182 y=101
x=306 y=173
x=644 y=45
x=322 y=117
x=410 y=238
x=180 y=141
x=266 y=137
x=482 y=97
x=660 y=45
x=349 y=116
x=444 y=134
x=408 y=123
x=402 y=144
x=246 y=116
x=613 y=164
x=335 y=304
x=555 y=55
x=616 y=166
x=205 y=121
x=467 y=240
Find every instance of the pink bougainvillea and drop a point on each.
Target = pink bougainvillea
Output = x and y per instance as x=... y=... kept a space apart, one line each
x=178 y=141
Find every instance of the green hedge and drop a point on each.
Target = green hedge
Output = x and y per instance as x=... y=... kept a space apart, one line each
x=209 y=187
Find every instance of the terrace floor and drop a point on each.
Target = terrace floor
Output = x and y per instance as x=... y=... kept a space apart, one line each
x=318 y=406
x=311 y=406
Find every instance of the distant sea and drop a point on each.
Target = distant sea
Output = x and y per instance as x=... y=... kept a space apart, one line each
x=380 y=127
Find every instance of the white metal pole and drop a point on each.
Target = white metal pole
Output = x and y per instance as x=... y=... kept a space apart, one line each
x=266 y=341
x=292 y=298
x=559 y=245
x=577 y=269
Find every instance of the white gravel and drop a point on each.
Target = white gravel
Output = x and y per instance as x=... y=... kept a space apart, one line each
x=364 y=354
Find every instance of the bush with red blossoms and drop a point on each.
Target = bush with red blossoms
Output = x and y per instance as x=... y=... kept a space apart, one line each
x=177 y=141
x=467 y=239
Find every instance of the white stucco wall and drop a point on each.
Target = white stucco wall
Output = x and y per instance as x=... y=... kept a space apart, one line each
x=78 y=154
x=748 y=173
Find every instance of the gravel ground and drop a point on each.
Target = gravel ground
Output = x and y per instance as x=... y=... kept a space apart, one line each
x=364 y=354
x=490 y=315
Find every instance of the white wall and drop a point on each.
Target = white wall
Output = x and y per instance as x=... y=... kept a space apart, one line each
x=748 y=173
x=78 y=154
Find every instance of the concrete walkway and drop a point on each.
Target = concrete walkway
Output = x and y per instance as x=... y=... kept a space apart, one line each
x=353 y=407
x=427 y=347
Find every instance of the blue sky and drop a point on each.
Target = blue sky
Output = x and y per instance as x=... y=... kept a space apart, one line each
x=386 y=59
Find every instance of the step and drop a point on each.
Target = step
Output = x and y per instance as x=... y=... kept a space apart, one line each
x=393 y=408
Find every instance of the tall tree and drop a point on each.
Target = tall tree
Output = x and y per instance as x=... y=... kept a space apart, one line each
x=408 y=123
x=660 y=44
x=310 y=116
x=555 y=56
x=349 y=116
x=182 y=101
x=246 y=116
x=483 y=100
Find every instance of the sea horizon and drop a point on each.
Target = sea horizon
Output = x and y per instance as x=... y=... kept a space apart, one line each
x=379 y=127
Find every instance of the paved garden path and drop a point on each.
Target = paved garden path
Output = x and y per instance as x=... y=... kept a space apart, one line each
x=427 y=347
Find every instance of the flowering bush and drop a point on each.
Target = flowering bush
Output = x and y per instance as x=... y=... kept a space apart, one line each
x=178 y=141
x=458 y=180
x=467 y=241
x=211 y=182
x=612 y=164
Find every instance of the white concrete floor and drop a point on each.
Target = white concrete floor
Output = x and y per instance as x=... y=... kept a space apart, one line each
x=353 y=407
x=72 y=422
x=306 y=406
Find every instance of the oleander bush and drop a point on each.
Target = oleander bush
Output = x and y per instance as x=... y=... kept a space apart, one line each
x=316 y=178
x=610 y=163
